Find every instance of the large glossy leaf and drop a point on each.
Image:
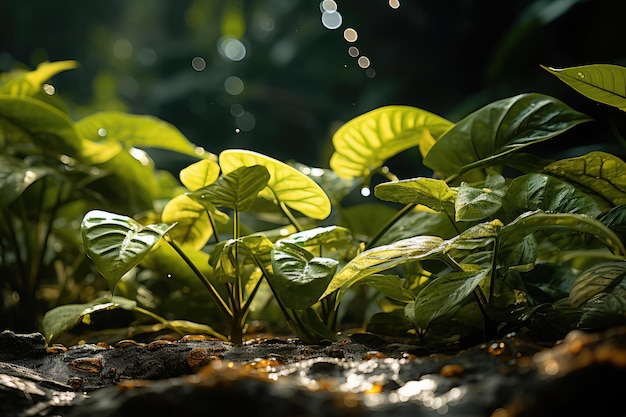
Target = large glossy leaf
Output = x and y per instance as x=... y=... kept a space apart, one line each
x=237 y=190
x=444 y=295
x=473 y=203
x=365 y=142
x=117 y=243
x=15 y=177
x=63 y=318
x=199 y=174
x=286 y=183
x=432 y=193
x=193 y=227
x=498 y=129
x=600 y=172
x=29 y=83
x=381 y=258
x=604 y=83
x=600 y=278
x=537 y=191
x=530 y=222
x=28 y=120
x=299 y=277
x=135 y=130
x=331 y=242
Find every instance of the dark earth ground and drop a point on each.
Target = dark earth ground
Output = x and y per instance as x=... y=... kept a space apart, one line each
x=582 y=375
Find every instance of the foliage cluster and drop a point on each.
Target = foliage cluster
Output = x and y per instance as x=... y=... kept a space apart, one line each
x=496 y=239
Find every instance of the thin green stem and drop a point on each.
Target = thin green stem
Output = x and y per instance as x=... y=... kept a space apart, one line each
x=216 y=296
x=406 y=209
x=158 y=318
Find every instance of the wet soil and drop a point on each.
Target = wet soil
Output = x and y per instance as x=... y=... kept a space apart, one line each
x=362 y=375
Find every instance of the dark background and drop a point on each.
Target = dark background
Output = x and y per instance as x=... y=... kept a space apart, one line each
x=447 y=57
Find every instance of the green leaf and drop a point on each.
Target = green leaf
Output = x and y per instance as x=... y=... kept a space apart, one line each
x=390 y=285
x=63 y=318
x=537 y=191
x=193 y=227
x=432 y=193
x=331 y=242
x=530 y=222
x=600 y=172
x=199 y=174
x=603 y=83
x=299 y=277
x=30 y=83
x=237 y=190
x=286 y=184
x=117 y=243
x=16 y=177
x=365 y=142
x=382 y=258
x=600 y=278
x=134 y=130
x=473 y=204
x=444 y=295
x=28 y=120
x=484 y=137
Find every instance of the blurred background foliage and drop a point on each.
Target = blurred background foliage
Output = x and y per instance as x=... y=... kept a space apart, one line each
x=267 y=75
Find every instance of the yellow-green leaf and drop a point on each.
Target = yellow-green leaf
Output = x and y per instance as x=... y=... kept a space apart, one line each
x=601 y=172
x=603 y=83
x=29 y=83
x=365 y=142
x=200 y=174
x=286 y=183
x=193 y=227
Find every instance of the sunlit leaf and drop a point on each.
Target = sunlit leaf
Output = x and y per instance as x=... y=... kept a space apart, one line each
x=299 y=277
x=600 y=278
x=236 y=189
x=30 y=83
x=228 y=255
x=604 y=83
x=135 y=130
x=199 y=174
x=381 y=258
x=432 y=193
x=444 y=295
x=365 y=142
x=63 y=318
x=473 y=204
x=193 y=228
x=530 y=222
x=498 y=129
x=28 y=120
x=537 y=191
x=390 y=285
x=600 y=172
x=331 y=242
x=286 y=183
x=117 y=243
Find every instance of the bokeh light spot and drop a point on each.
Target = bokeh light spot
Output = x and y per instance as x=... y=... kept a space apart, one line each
x=231 y=48
x=198 y=63
x=353 y=51
x=245 y=122
x=328 y=6
x=350 y=35
x=363 y=61
x=147 y=57
x=233 y=85
x=236 y=110
x=394 y=4
x=49 y=89
x=122 y=49
x=331 y=20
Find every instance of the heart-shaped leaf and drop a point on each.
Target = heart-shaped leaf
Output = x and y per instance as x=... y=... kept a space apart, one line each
x=237 y=190
x=117 y=243
x=193 y=227
x=604 y=83
x=286 y=184
x=199 y=174
x=299 y=277
x=365 y=142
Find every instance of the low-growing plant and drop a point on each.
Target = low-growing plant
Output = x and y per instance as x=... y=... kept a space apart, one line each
x=497 y=238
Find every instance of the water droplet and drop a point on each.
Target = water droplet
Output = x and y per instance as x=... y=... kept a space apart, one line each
x=169 y=275
x=581 y=75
